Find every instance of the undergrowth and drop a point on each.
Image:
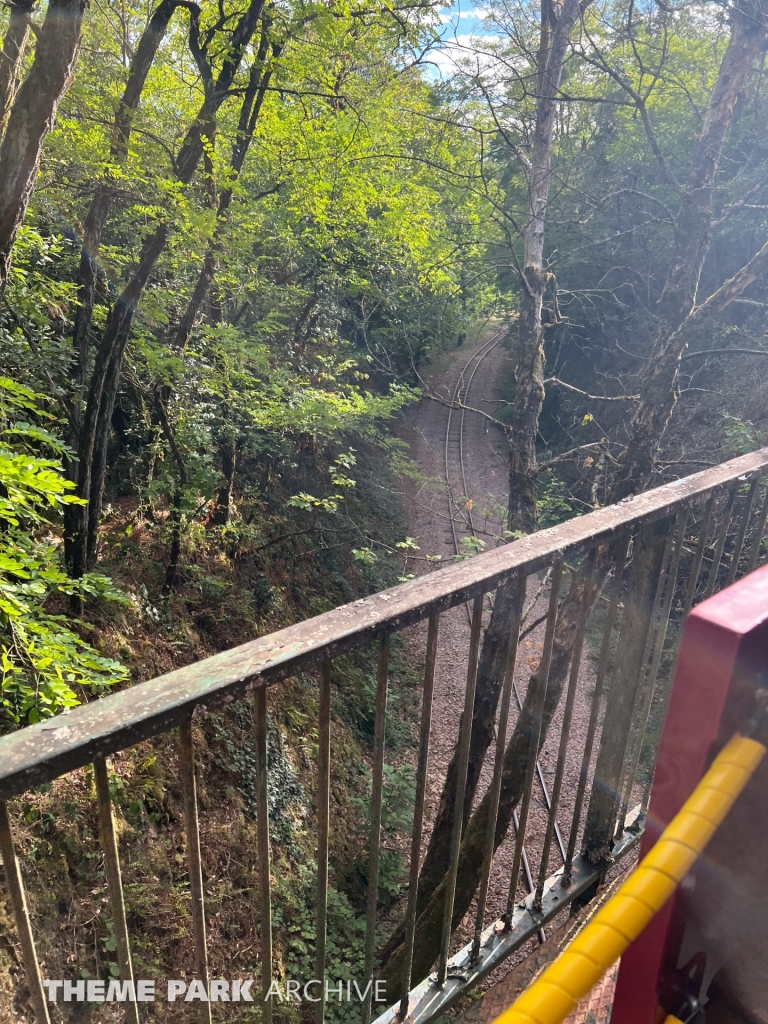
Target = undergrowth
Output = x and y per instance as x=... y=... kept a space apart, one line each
x=227 y=594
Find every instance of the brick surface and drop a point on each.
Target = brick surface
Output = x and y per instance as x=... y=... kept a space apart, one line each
x=595 y=1009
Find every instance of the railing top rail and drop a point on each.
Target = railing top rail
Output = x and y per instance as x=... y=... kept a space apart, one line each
x=42 y=752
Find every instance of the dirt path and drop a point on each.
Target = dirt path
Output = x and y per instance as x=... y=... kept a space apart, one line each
x=428 y=506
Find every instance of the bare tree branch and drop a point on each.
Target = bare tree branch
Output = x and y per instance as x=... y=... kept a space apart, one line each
x=592 y=398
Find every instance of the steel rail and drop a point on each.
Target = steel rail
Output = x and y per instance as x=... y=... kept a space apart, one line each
x=480 y=356
x=475 y=368
x=264 y=853
x=535 y=734
x=461 y=786
x=418 y=810
x=539 y=771
x=42 y=752
x=196 y=886
x=114 y=878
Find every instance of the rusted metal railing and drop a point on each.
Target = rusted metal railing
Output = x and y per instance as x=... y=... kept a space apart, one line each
x=652 y=555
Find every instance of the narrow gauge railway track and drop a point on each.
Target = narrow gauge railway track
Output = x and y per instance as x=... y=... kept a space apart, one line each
x=460 y=395
x=459 y=399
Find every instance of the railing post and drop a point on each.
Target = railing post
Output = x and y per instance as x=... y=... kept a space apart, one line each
x=461 y=787
x=720 y=546
x=21 y=915
x=418 y=811
x=374 y=851
x=323 y=823
x=565 y=732
x=114 y=877
x=757 y=541
x=535 y=737
x=619 y=572
x=651 y=549
x=498 y=766
x=264 y=853
x=647 y=690
x=746 y=514
x=698 y=558
x=197 y=890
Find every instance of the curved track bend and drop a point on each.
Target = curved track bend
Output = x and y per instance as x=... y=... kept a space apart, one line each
x=459 y=399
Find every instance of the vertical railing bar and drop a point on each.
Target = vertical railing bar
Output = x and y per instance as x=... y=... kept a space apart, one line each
x=757 y=543
x=418 y=810
x=375 y=818
x=114 y=878
x=602 y=672
x=323 y=822
x=192 y=828
x=543 y=784
x=15 y=885
x=693 y=579
x=712 y=581
x=639 y=697
x=498 y=767
x=674 y=571
x=264 y=852
x=539 y=772
x=527 y=874
x=533 y=748
x=746 y=515
x=461 y=786
x=690 y=595
x=661 y=636
x=566 y=728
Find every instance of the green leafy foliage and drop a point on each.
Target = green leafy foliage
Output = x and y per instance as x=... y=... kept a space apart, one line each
x=553 y=505
x=295 y=914
x=399 y=795
x=742 y=436
x=45 y=663
x=469 y=547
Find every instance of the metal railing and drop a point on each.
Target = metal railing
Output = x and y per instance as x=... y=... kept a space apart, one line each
x=689 y=538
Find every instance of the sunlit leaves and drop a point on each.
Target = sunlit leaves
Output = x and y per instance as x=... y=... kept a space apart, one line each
x=43 y=659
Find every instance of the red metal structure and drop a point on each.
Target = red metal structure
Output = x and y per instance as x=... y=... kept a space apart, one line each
x=709 y=946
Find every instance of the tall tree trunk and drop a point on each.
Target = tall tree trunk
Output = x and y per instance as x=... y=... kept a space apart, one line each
x=224 y=498
x=174 y=552
x=76 y=518
x=249 y=114
x=101 y=204
x=12 y=55
x=105 y=377
x=31 y=117
x=555 y=34
x=658 y=396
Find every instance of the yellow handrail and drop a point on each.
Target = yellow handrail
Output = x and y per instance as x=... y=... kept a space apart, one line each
x=580 y=966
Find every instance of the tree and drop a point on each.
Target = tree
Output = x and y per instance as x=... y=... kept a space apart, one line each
x=556 y=26
x=28 y=110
